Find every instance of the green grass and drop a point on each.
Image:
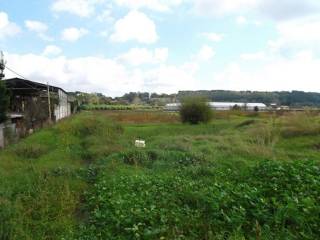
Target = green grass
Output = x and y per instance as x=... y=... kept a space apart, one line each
x=42 y=178
x=239 y=177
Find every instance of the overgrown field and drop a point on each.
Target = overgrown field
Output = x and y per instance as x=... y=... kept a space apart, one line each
x=243 y=176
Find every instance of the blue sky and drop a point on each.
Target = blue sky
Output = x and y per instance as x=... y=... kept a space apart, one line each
x=117 y=46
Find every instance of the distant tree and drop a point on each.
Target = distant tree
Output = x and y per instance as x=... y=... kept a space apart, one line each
x=4 y=102
x=236 y=107
x=294 y=98
x=195 y=110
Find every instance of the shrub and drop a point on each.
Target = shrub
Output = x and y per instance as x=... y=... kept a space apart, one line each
x=195 y=110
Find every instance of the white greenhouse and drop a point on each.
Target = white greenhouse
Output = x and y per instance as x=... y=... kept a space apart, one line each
x=224 y=106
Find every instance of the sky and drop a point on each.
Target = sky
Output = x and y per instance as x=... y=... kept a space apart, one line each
x=118 y=46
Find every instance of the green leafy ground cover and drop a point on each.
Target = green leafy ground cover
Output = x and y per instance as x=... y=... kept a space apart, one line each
x=239 y=177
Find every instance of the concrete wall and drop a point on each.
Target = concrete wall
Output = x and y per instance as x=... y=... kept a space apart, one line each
x=1 y=136
x=8 y=134
x=62 y=110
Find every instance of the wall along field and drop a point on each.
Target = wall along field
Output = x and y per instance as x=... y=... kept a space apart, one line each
x=242 y=176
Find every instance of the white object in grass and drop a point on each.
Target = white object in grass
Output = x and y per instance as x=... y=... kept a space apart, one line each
x=140 y=144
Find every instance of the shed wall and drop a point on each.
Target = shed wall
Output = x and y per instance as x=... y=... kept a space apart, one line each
x=1 y=136
x=62 y=110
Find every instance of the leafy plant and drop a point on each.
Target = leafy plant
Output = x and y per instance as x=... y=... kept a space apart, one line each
x=195 y=110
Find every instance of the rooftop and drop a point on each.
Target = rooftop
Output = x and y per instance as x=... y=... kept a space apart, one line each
x=27 y=87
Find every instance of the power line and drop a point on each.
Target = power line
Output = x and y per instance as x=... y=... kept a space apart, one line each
x=24 y=78
x=15 y=72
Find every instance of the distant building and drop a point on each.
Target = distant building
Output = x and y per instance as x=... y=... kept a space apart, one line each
x=224 y=106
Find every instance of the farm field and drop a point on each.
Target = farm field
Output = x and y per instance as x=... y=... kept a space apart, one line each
x=242 y=176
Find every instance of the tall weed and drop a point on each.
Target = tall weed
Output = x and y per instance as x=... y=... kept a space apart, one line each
x=300 y=124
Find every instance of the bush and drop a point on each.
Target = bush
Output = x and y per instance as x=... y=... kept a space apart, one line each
x=195 y=110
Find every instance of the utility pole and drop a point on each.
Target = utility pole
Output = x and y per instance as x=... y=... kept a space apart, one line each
x=2 y=65
x=49 y=103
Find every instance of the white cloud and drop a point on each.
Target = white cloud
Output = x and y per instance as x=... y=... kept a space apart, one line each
x=7 y=28
x=214 y=37
x=135 y=26
x=300 y=30
x=156 y=5
x=139 y=56
x=105 y=16
x=299 y=72
x=4 y=20
x=98 y=74
x=241 y=20
x=51 y=50
x=274 y=9
x=253 y=56
x=297 y=35
x=82 y=8
x=218 y=7
x=169 y=79
x=205 y=53
x=73 y=34
x=161 y=54
x=288 y=9
x=36 y=26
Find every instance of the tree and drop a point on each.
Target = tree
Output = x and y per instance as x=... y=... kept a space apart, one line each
x=4 y=102
x=195 y=110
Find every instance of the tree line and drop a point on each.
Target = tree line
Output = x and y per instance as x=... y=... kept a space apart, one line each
x=292 y=99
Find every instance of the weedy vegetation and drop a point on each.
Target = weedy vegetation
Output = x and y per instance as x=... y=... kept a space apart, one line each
x=240 y=176
x=195 y=110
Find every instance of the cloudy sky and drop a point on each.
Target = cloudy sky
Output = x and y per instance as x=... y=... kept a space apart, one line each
x=117 y=46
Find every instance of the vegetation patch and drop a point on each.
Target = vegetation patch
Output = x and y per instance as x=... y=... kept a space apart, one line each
x=271 y=200
x=85 y=179
x=195 y=110
x=31 y=151
x=300 y=124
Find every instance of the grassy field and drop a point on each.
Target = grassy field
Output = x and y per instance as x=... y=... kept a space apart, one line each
x=243 y=176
